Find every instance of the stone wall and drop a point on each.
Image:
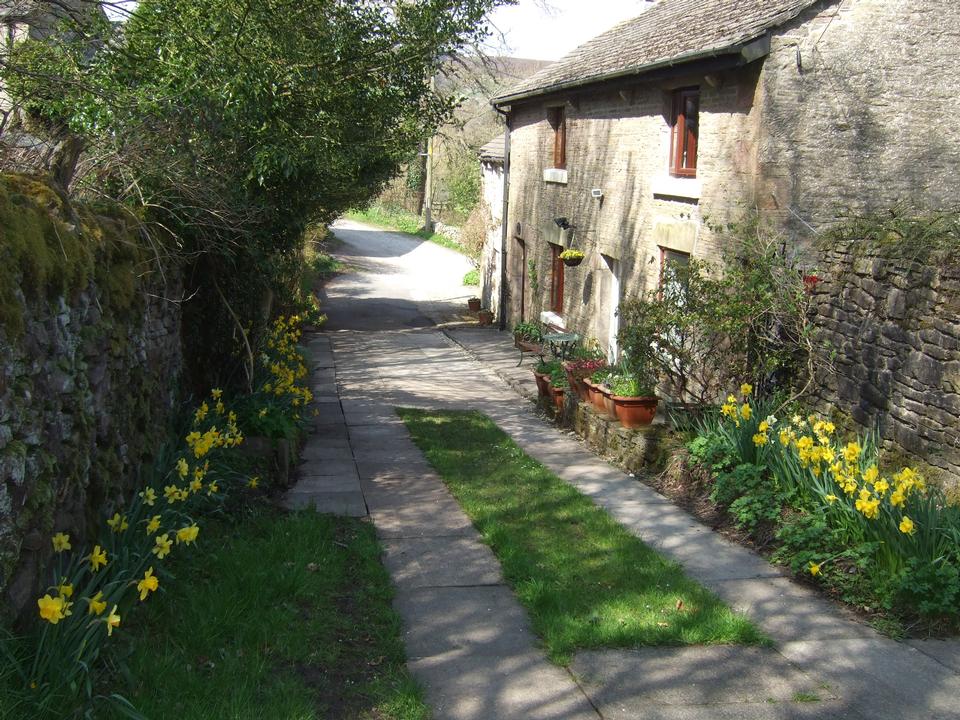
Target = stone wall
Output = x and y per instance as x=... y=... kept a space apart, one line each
x=91 y=356
x=851 y=98
x=890 y=328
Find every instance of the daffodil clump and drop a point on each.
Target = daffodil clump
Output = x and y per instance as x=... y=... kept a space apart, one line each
x=93 y=588
x=890 y=523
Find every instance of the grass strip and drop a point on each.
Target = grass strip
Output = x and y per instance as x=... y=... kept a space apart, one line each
x=585 y=580
x=403 y=222
x=282 y=617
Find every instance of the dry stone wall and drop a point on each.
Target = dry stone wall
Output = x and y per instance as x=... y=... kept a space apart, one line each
x=890 y=327
x=90 y=356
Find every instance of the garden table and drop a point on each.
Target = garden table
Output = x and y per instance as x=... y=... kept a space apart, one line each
x=561 y=343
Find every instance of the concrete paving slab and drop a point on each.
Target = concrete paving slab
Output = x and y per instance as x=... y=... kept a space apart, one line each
x=803 y=710
x=428 y=495
x=946 y=652
x=788 y=612
x=440 y=562
x=323 y=388
x=630 y=681
x=881 y=678
x=384 y=471
x=321 y=468
x=328 y=484
x=422 y=521
x=326 y=451
x=462 y=685
x=349 y=504
x=487 y=620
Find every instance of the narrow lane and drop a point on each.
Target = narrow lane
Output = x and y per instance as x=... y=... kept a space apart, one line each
x=468 y=640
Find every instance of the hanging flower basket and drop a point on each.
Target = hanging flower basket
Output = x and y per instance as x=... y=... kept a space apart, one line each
x=571 y=257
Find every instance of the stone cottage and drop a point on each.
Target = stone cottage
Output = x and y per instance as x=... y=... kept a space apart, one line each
x=699 y=112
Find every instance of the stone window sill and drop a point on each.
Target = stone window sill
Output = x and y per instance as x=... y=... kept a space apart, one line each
x=553 y=320
x=669 y=186
x=555 y=175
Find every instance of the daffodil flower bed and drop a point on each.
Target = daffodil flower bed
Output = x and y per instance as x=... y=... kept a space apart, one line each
x=882 y=538
x=94 y=586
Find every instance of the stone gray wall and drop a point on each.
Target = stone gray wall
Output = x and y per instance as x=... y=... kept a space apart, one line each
x=88 y=375
x=858 y=102
x=889 y=329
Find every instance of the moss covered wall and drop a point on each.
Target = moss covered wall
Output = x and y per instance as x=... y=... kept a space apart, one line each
x=90 y=357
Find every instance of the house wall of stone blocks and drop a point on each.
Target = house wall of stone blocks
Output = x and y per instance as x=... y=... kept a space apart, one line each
x=852 y=111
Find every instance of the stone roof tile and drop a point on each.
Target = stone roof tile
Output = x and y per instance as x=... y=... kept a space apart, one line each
x=669 y=31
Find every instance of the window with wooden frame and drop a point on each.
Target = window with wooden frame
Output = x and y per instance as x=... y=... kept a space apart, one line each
x=556 y=279
x=686 y=131
x=558 y=121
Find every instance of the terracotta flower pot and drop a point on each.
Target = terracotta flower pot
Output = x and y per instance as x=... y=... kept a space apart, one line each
x=473 y=304
x=543 y=383
x=558 y=398
x=635 y=412
x=485 y=317
x=608 y=405
x=576 y=384
x=596 y=397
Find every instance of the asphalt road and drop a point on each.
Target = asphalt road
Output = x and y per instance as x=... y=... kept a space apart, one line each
x=394 y=282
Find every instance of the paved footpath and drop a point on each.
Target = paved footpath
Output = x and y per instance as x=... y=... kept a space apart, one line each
x=468 y=639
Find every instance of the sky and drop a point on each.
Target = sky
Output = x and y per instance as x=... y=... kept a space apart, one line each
x=536 y=33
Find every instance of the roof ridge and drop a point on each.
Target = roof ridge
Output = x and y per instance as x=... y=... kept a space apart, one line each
x=669 y=31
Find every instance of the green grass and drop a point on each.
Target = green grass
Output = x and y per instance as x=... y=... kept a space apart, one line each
x=585 y=580
x=472 y=277
x=404 y=222
x=277 y=617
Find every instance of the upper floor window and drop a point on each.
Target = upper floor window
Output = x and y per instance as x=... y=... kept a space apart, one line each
x=558 y=121
x=686 y=129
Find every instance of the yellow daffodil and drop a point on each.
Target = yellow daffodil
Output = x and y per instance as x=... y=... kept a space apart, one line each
x=188 y=534
x=171 y=493
x=162 y=545
x=112 y=621
x=219 y=408
x=746 y=412
x=851 y=453
x=118 y=523
x=814 y=568
x=870 y=475
x=153 y=524
x=897 y=498
x=98 y=558
x=201 y=412
x=149 y=496
x=61 y=542
x=906 y=526
x=212 y=488
x=763 y=426
x=881 y=486
x=65 y=590
x=831 y=498
x=759 y=439
x=51 y=609
x=216 y=393
x=196 y=485
x=262 y=413
x=746 y=389
x=253 y=482
x=97 y=605
x=148 y=585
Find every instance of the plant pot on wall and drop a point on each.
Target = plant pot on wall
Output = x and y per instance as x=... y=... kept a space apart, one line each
x=543 y=383
x=635 y=412
x=558 y=398
x=485 y=317
x=473 y=304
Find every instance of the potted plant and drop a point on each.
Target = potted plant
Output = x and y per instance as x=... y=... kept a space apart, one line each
x=599 y=390
x=542 y=373
x=485 y=317
x=528 y=337
x=473 y=304
x=558 y=387
x=585 y=362
x=634 y=397
x=572 y=257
